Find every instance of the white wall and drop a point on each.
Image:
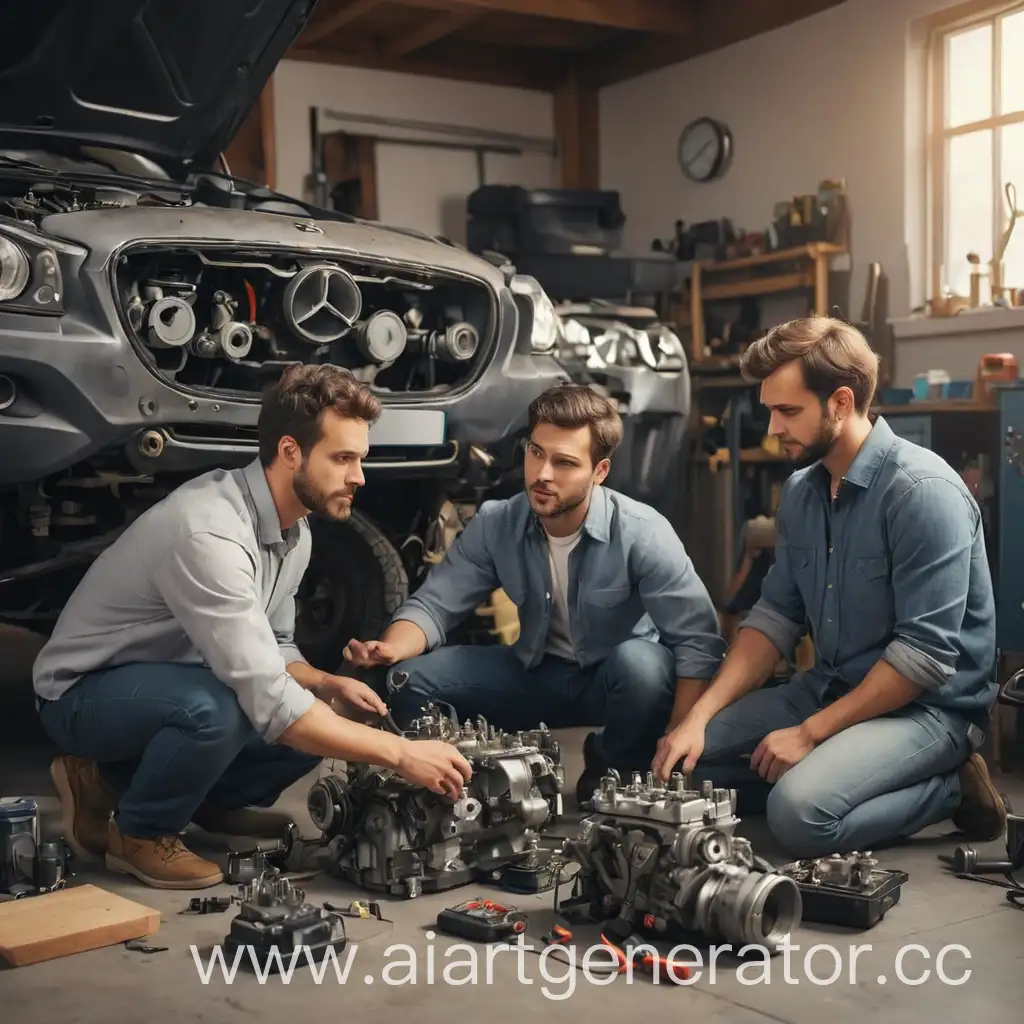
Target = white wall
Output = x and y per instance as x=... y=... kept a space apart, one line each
x=417 y=187
x=827 y=97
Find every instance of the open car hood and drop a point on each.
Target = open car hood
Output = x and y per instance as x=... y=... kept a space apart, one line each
x=169 y=79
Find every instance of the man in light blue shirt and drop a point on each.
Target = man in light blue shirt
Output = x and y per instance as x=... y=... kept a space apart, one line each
x=616 y=627
x=880 y=555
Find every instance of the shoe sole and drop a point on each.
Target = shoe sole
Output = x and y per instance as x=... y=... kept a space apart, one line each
x=61 y=782
x=122 y=867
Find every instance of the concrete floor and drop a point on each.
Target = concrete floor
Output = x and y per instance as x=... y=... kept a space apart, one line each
x=936 y=912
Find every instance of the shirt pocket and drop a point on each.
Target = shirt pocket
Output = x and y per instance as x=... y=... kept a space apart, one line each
x=869 y=594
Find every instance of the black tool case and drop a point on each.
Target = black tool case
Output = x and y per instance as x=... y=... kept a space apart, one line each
x=848 y=907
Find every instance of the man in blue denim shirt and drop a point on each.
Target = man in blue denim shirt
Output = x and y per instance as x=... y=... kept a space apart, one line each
x=616 y=627
x=880 y=553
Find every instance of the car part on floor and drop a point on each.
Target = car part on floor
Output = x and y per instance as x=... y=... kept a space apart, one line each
x=28 y=865
x=389 y=835
x=847 y=890
x=667 y=859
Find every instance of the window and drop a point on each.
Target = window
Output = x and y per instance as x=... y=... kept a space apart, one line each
x=977 y=148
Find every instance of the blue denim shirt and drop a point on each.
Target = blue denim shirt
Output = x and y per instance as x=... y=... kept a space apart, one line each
x=894 y=568
x=630 y=576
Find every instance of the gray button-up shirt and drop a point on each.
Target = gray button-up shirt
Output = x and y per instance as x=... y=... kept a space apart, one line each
x=895 y=567
x=204 y=577
x=629 y=576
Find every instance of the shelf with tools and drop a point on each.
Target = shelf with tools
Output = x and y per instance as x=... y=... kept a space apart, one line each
x=769 y=273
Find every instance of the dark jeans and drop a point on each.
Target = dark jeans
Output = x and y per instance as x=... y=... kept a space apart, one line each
x=630 y=693
x=169 y=738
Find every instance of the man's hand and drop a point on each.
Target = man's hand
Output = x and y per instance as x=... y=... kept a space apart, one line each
x=358 y=694
x=780 y=750
x=436 y=765
x=370 y=654
x=686 y=740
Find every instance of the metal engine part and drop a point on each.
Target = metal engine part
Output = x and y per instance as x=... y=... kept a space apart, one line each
x=604 y=335
x=851 y=871
x=388 y=835
x=169 y=321
x=666 y=859
x=226 y=336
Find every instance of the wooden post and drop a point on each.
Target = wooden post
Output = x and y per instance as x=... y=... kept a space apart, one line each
x=577 y=129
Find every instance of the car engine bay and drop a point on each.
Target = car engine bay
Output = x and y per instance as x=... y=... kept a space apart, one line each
x=387 y=835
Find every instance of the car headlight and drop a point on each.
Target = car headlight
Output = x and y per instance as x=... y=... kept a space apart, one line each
x=14 y=270
x=30 y=277
x=546 y=325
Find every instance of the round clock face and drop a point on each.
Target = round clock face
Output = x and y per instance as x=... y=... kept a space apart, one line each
x=704 y=149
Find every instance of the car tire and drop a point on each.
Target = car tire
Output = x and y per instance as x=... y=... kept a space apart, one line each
x=354 y=584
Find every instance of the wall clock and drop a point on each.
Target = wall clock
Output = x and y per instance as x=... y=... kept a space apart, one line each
x=705 y=150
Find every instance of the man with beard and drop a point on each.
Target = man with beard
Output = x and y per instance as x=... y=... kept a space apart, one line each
x=616 y=628
x=172 y=679
x=880 y=551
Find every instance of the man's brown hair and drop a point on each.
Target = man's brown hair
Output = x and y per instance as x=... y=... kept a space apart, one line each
x=571 y=406
x=295 y=406
x=832 y=355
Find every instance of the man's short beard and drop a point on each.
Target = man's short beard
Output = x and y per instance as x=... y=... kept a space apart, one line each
x=317 y=501
x=563 y=507
x=828 y=434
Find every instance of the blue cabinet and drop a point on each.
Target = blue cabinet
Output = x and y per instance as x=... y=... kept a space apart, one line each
x=1010 y=574
x=914 y=427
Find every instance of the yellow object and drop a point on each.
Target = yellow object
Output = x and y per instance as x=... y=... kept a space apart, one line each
x=771 y=444
x=505 y=615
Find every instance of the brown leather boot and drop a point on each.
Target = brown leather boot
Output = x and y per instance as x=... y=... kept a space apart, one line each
x=164 y=863
x=262 y=823
x=87 y=803
x=981 y=815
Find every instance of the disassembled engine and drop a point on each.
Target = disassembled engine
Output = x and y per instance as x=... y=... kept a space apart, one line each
x=605 y=335
x=389 y=835
x=666 y=859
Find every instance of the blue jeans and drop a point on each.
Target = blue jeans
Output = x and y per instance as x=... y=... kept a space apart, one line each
x=869 y=786
x=169 y=738
x=630 y=693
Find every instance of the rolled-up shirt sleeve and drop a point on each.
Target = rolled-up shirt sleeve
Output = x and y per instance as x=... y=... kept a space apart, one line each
x=932 y=531
x=679 y=604
x=779 y=613
x=208 y=582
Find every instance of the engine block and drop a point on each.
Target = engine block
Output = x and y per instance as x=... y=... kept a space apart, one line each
x=388 y=835
x=666 y=859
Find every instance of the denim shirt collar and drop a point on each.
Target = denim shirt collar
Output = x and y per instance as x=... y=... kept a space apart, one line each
x=268 y=522
x=868 y=459
x=597 y=523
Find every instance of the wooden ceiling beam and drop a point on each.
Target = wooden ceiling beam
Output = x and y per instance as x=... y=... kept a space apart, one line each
x=489 y=65
x=327 y=26
x=430 y=32
x=718 y=23
x=668 y=16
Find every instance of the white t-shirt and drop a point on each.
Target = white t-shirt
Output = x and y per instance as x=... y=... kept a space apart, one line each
x=559 y=641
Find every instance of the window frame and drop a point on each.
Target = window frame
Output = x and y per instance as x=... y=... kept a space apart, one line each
x=949 y=23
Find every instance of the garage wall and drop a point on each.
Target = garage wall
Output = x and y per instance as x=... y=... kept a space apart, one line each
x=418 y=188
x=837 y=95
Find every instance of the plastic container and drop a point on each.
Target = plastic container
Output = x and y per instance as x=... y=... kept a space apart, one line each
x=932 y=386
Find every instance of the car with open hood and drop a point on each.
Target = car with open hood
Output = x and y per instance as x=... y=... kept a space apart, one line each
x=147 y=298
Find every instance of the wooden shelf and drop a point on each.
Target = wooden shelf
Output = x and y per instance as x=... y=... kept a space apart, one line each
x=742 y=281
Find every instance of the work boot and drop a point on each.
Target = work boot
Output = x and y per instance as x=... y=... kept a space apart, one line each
x=163 y=863
x=981 y=815
x=243 y=821
x=87 y=803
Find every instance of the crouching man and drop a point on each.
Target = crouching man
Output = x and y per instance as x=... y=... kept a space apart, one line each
x=880 y=551
x=172 y=680
x=616 y=628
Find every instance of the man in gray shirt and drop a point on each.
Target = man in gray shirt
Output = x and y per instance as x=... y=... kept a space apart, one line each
x=172 y=680
x=880 y=554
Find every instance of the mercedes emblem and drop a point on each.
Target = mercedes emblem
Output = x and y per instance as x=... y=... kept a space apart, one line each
x=309 y=227
x=321 y=303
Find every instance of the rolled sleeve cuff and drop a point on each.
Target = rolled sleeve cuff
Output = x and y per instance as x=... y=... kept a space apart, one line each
x=782 y=632
x=295 y=702
x=921 y=669
x=699 y=664
x=291 y=653
x=419 y=616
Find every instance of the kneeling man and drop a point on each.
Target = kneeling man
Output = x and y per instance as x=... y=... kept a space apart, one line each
x=880 y=552
x=616 y=628
x=172 y=679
